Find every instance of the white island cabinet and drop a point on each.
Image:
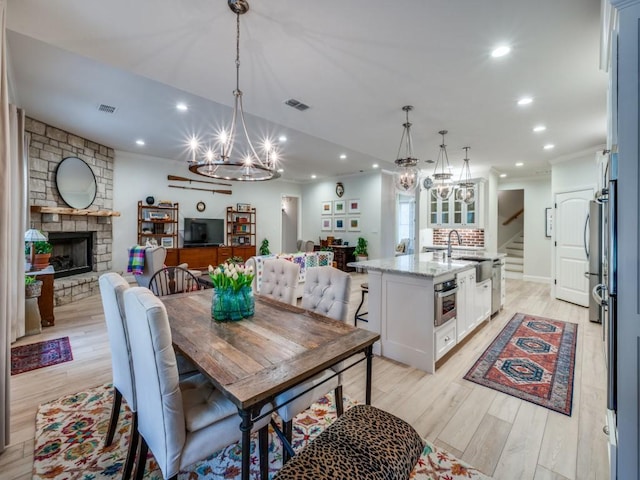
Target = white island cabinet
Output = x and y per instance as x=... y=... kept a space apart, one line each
x=401 y=306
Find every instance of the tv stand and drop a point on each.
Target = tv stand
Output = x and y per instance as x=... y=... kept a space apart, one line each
x=200 y=257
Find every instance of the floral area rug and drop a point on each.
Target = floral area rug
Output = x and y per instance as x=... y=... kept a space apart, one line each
x=70 y=436
x=42 y=354
x=533 y=359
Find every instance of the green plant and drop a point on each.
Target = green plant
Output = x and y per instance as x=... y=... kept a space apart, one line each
x=42 y=247
x=361 y=248
x=236 y=259
x=264 y=247
x=29 y=280
x=230 y=275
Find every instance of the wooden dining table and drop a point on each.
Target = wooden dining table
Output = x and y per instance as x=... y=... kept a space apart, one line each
x=253 y=360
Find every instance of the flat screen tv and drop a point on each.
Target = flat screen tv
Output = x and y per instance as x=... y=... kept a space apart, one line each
x=203 y=232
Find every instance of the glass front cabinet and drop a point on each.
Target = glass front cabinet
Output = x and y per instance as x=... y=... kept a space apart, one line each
x=455 y=213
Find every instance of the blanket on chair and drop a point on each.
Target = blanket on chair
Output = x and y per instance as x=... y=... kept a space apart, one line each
x=136 y=260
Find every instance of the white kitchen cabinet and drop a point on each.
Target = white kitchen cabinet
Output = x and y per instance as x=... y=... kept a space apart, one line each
x=454 y=213
x=482 y=302
x=445 y=338
x=466 y=316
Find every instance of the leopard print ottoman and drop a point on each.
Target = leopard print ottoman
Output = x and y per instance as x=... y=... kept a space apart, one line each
x=365 y=443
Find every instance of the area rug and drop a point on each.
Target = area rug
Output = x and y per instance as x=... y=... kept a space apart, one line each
x=70 y=431
x=42 y=354
x=533 y=359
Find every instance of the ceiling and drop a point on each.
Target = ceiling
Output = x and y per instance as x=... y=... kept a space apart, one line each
x=354 y=63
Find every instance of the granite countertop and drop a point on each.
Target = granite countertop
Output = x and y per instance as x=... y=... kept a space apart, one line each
x=474 y=253
x=421 y=264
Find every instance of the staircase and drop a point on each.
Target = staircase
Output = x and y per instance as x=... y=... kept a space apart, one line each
x=515 y=258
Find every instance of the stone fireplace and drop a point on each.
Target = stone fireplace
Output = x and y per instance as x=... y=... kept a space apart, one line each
x=72 y=253
x=82 y=239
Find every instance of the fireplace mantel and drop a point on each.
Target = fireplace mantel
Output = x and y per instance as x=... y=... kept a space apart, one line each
x=74 y=211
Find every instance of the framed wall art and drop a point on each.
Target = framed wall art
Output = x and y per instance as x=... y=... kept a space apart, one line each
x=339 y=224
x=243 y=207
x=327 y=208
x=339 y=207
x=326 y=225
x=353 y=205
x=167 y=242
x=353 y=224
x=548 y=222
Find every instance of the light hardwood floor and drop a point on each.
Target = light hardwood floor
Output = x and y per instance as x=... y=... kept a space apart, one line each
x=502 y=436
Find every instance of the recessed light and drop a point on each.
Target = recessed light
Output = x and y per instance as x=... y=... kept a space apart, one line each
x=539 y=128
x=282 y=138
x=500 y=51
x=343 y=156
x=549 y=146
x=525 y=101
x=519 y=164
x=313 y=176
x=280 y=170
x=182 y=107
x=375 y=165
x=503 y=175
x=140 y=142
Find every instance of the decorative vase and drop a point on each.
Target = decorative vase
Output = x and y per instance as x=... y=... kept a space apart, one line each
x=230 y=306
x=41 y=261
x=33 y=290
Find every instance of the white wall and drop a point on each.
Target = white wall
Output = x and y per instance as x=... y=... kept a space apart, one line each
x=576 y=172
x=138 y=176
x=537 y=248
x=367 y=188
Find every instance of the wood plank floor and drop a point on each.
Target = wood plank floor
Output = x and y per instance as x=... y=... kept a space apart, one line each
x=502 y=436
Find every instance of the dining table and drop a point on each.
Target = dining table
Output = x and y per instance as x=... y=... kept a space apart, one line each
x=253 y=360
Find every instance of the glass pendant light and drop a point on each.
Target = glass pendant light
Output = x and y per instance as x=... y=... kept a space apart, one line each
x=442 y=185
x=466 y=188
x=406 y=176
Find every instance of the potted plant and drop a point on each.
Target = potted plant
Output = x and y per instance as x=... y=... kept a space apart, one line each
x=264 y=247
x=42 y=254
x=32 y=287
x=360 y=252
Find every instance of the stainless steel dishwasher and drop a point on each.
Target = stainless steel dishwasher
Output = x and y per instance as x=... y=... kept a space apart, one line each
x=496 y=285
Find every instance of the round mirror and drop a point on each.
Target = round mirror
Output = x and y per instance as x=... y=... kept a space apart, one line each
x=76 y=182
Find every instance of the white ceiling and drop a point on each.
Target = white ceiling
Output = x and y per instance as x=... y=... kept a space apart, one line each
x=356 y=63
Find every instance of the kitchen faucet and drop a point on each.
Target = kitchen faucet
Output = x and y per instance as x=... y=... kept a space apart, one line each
x=449 y=242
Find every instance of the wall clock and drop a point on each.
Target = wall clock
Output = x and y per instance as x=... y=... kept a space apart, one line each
x=201 y=206
x=339 y=189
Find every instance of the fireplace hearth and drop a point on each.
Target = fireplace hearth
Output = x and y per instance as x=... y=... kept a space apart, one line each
x=72 y=253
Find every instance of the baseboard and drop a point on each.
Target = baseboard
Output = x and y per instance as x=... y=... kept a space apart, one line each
x=534 y=278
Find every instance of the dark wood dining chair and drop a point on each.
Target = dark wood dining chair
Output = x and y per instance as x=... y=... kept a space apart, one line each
x=172 y=280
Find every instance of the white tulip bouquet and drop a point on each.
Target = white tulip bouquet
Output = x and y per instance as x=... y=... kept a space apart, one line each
x=231 y=275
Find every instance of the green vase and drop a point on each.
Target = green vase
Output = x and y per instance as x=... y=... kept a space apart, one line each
x=228 y=305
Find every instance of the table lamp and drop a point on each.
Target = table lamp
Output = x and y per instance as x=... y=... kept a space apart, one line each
x=33 y=235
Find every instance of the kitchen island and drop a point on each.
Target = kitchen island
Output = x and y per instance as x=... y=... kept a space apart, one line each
x=402 y=305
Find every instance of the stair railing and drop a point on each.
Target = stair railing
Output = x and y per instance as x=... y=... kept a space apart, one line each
x=513 y=217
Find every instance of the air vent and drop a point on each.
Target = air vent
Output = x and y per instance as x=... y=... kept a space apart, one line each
x=106 y=108
x=292 y=102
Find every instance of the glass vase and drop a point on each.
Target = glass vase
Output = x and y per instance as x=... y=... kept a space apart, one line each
x=229 y=305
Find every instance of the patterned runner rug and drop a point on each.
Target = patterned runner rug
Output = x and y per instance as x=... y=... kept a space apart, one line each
x=42 y=354
x=70 y=433
x=533 y=358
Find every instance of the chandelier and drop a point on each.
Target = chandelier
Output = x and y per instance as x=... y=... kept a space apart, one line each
x=216 y=159
x=466 y=188
x=405 y=178
x=442 y=185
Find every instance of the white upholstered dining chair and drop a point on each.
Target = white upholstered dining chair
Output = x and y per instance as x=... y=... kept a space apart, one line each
x=326 y=291
x=181 y=423
x=280 y=280
x=112 y=288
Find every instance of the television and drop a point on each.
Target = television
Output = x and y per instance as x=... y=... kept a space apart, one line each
x=203 y=232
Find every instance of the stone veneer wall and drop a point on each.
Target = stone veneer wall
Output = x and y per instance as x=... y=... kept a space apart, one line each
x=469 y=237
x=48 y=145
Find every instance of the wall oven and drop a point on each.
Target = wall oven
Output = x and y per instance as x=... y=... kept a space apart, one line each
x=446 y=302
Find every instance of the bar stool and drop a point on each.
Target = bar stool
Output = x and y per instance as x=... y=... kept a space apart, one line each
x=360 y=316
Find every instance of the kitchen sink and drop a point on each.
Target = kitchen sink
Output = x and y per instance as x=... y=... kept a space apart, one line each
x=483 y=266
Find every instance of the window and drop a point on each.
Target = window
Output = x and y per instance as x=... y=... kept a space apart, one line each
x=406 y=218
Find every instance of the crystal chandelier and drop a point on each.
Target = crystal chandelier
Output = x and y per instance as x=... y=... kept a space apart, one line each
x=466 y=188
x=215 y=159
x=442 y=185
x=405 y=178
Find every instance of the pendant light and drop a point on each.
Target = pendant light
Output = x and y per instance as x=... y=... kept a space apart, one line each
x=442 y=185
x=466 y=188
x=406 y=176
x=217 y=160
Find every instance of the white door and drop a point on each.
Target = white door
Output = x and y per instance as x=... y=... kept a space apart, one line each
x=571 y=262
